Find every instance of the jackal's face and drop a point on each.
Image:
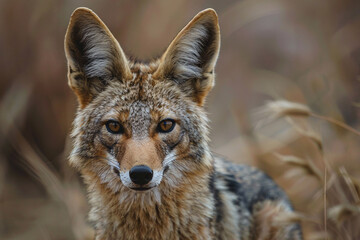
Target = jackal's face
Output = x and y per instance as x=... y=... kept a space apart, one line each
x=140 y=125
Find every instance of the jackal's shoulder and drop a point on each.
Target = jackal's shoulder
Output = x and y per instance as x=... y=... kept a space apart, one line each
x=246 y=199
x=248 y=183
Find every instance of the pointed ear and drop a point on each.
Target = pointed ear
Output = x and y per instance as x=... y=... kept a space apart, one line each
x=191 y=57
x=94 y=56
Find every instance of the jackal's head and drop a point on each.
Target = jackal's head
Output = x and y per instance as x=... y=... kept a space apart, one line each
x=140 y=125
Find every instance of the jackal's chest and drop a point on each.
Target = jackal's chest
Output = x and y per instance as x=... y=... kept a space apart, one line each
x=168 y=219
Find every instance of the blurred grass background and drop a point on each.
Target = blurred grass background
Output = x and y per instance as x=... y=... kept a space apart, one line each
x=302 y=51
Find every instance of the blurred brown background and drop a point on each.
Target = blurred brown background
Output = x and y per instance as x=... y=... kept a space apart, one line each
x=303 y=51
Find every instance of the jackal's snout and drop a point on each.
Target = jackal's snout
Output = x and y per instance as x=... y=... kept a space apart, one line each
x=141 y=164
x=141 y=174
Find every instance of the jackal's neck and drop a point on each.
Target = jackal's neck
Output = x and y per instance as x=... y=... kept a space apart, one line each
x=167 y=212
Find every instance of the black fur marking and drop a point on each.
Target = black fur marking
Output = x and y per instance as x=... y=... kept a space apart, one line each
x=235 y=187
x=217 y=199
x=109 y=147
x=78 y=77
x=177 y=143
x=116 y=171
x=232 y=184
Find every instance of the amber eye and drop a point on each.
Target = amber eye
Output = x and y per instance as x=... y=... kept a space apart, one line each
x=166 y=125
x=114 y=127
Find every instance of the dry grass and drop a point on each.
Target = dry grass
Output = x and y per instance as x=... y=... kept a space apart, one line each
x=303 y=52
x=340 y=196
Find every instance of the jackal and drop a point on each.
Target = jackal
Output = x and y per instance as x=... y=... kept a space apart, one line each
x=140 y=141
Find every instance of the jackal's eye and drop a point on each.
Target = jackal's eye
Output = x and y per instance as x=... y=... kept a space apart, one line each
x=114 y=127
x=166 y=125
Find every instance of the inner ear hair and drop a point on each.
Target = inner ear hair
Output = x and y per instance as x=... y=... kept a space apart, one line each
x=190 y=59
x=94 y=56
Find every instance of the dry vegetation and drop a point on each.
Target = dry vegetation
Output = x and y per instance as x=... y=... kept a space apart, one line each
x=297 y=63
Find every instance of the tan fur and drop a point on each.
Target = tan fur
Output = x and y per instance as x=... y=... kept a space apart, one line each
x=268 y=227
x=141 y=152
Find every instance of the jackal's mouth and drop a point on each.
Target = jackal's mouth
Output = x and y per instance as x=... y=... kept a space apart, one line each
x=141 y=189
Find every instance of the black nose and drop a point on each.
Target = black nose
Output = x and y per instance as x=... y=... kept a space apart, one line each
x=141 y=174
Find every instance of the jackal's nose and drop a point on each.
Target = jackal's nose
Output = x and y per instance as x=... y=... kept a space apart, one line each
x=141 y=174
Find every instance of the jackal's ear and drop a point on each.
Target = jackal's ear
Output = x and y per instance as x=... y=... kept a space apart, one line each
x=94 y=56
x=191 y=57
